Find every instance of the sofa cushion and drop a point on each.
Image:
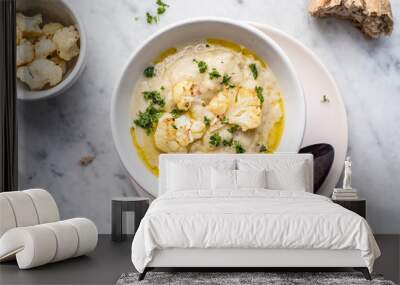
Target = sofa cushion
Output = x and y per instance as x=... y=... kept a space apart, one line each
x=41 y=244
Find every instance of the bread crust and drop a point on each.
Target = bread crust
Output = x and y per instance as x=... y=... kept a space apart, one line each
x=372 y=17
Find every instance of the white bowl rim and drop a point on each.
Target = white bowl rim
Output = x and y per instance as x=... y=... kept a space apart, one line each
x=32 y=95
x=242 y=24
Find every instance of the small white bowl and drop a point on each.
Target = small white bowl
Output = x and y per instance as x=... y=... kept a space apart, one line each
x=62 y=12
x=185 y=32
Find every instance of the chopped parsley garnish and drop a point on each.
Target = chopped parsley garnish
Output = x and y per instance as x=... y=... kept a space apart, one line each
x=207 y=45
x=155 y=97
x=225 y=120
x=151 y=19
x=149 y=118
x=214 y=74
x=162 y=7
x=227 y=142
x=201 y=65
x=215 y=140
x=206 y=121
x=162 y=88
x=161 y=10
x=176 y=113
x=174 y=126
x=149 y=71
x=253 y=69
x=161 y=3
x=238 y=147
x=324 y=99
x=226 y=81
x=234 y=128
x=259 y=92
x=263 y=148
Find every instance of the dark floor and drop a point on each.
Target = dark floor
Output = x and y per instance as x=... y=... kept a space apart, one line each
x=389 y=262
x=110 y=260
x=103 y=266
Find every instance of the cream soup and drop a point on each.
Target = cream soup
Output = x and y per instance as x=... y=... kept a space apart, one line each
x=212 y=96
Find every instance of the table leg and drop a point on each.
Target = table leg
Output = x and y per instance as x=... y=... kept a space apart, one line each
x=140 y=211
x=116 y=221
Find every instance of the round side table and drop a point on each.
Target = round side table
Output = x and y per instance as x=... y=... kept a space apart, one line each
x=119 y=207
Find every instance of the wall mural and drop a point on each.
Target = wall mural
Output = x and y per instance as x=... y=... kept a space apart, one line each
x=100 y=98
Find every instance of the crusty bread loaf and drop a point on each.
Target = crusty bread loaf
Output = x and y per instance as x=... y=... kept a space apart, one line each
x=372 y=17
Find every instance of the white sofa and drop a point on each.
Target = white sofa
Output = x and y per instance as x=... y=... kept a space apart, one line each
x=31 y=231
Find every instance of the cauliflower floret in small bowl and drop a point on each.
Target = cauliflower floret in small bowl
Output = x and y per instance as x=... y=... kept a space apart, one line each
x=51 y=48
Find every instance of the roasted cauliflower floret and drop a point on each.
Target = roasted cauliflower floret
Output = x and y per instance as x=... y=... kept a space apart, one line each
x=44 y=47
x=188 y=130
x=174 y=135
x=198 y=128
x=219 y=104
x=39 y=73
x=51 y=28
x=183 y=94
x=165 y=135
x=29 y=26
x=25 y=53
x=66 y=40
x=61 y=63
x=199 y=112
x=226 y=135
x=245 y=109
x=183 y=133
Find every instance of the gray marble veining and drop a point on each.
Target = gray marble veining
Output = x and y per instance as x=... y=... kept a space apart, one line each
x=55 y=134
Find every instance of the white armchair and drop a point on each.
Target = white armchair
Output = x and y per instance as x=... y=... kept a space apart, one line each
x=31 y=232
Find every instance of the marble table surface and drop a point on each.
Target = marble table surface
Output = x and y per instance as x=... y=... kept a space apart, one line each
x=55 y=134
